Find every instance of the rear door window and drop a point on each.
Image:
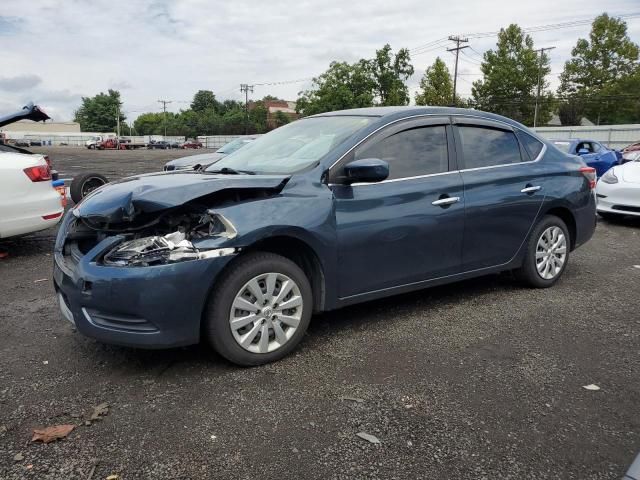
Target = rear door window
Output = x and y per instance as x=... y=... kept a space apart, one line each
x=487 y=147
x=410 y=153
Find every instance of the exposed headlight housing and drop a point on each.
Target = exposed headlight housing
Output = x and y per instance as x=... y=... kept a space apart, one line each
x=159 y=250
x=609 y=177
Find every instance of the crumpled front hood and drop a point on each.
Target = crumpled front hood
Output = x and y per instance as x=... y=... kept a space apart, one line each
x=124 y=200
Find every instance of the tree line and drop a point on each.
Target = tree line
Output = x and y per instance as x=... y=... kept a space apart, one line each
x=601 y=82
x=205 y=116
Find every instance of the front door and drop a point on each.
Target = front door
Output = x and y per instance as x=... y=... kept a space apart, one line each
x=408 y=228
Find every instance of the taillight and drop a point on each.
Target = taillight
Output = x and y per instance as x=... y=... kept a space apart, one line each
x=39 y=173
x=590 y=174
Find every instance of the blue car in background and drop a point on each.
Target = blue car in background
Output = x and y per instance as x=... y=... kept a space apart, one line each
x=593 y=153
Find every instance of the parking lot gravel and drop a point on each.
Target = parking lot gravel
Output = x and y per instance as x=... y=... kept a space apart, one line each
x=479 y=379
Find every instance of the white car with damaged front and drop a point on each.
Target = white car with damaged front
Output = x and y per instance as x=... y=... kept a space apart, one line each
x=28 y=201
x=618 y=191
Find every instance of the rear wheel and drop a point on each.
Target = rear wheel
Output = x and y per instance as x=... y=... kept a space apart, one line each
x=547 y=253
x=259 y=309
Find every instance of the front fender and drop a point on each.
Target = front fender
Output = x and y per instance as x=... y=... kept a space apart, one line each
x=304 y=212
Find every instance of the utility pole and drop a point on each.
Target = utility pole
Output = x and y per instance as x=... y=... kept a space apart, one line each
x=245 y=88
x=164 y=109
x=456 y=49
x=118 y=121
x=535 y=112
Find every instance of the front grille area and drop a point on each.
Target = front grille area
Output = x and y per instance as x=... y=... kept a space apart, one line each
x=115 y=321
x=625 y=208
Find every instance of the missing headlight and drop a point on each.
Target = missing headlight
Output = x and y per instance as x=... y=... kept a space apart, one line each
x=160 y=250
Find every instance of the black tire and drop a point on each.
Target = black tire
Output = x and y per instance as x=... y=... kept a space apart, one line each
x=528 y=273
x=216 y=328
x=83 y=184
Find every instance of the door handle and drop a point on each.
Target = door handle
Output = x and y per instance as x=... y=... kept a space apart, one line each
x=446 y=201
x=530 y=189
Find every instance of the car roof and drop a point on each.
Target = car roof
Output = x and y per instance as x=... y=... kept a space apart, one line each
x=398 y=112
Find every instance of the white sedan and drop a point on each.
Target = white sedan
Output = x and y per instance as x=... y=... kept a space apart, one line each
x=28 y=201
x=618 y=191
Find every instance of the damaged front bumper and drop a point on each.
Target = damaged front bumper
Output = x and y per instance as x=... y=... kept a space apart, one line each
x=155 y=306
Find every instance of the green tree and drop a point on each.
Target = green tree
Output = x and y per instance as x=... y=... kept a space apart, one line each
x=233 y=123
x=390 y=72
x=570 y=111
x=204 y=100
x=341 y=87
x=230 y=106
x=599 y=70
x=510 y=79
x=436 y=86
x=98 y=114
x=149 y=124
x=281 y=118
x=258 y=117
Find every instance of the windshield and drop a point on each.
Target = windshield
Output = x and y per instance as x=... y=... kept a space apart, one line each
x=233 y=145
x=564 y=146
x=293 y=147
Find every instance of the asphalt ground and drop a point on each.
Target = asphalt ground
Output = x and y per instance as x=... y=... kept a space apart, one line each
x=480 y=379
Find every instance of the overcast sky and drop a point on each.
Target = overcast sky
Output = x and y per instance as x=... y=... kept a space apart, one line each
x=54 y=52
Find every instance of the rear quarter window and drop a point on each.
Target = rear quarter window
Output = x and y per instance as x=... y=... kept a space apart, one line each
x=531 y=145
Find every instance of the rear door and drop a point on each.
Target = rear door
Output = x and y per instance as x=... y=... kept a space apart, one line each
x=409 y=227
x=503 y=189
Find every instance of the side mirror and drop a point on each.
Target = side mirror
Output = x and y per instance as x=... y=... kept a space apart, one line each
x=583 y=151
x=366 y=170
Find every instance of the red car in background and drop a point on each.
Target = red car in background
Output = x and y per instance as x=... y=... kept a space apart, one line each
x=631 y=153
x=192 y=144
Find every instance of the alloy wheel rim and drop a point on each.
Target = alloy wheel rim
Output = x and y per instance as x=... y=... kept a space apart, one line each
x=266 y=312
x=551 y=253
x=90 y=184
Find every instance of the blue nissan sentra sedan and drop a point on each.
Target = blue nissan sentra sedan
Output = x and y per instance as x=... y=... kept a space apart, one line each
x=327 y=211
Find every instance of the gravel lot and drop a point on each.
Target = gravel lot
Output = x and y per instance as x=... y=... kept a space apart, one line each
x=481 y=379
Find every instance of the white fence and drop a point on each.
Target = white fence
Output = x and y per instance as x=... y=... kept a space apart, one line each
x=79 y=139
x=216 y=141
x=614 y=136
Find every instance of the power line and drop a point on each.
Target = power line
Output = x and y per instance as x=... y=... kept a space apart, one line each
x=285 y=82
x=440 y=43
x=553 y=26
x=456 y=49
x=469 y=59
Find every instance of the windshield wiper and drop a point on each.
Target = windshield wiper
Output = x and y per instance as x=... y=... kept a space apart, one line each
x=231 y=171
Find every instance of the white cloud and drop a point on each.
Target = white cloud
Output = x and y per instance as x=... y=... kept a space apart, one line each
x=162 y=49
x=19 y=83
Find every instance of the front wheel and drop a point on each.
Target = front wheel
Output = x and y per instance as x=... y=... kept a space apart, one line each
x=547 y=253
x=259 y=310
